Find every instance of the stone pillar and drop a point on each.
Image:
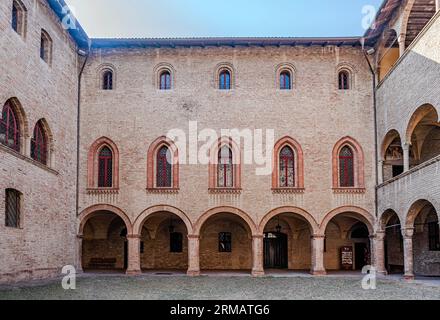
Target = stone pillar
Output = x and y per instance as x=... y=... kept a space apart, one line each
x=318 y=255
x=401 y=41
x=405 y=148
x=437 y=5
x=408 y=253
x=257 y=255
x=380 y=171
x=379 y=252
x=79 y=243
x=193 y=255
x=134 y=256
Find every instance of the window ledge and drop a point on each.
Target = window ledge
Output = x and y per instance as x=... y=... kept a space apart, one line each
x=163 y=190
x=349 y=190
x=27 y=159
x=103 y=191
x=287 y=190
x=225 y=190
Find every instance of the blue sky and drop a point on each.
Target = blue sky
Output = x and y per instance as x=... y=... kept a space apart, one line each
x=228 y=18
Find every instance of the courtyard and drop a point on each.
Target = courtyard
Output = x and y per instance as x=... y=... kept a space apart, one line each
x=223 y=286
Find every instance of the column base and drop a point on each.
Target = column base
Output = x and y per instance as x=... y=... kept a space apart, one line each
x=133 y=272
x=258 y=273
x=193 y=273
x=318 y=273
x=408 y=277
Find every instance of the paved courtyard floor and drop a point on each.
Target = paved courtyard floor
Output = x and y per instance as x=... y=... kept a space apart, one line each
x=223 y=287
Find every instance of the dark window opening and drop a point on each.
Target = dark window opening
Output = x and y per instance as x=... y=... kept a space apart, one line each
x=285 y=81
x=434 y=236
x=176 y=242
x=107 y=80
x=346 y=168
x=165 y=81
x=287 y=168
x=9 y=128
x=105 y=168
x=163 y=168
x=344 y=80
x=39 y=144
x=225 y=242
x=12 y=208
x=225 y=170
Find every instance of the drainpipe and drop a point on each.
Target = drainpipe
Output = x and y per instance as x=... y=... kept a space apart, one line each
x=78 y=125
x=375 y=133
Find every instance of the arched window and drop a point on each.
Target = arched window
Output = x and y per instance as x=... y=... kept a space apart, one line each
x=18 y=21
x=346 y=167
x=9 y=128
x=285 y=80
x=39 y=144
x=165 y=80
x=225 y=80
x=105 y=168
x=107 y=80
x=163 y=168
x=287 y=168
x=225 y=170
x=46 y=47
x=344 y=80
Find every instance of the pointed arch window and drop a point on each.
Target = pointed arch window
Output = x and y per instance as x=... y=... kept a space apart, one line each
x=344 y=80
x=9 y=128
x=285 y=80
x=18 y=19
x=346 y=167
x=46 y=47
x=105 y=168
x=107 y=80
x=164 y=168
x=39 y=144
x=225 y=80
x=165 y=80
x=287 y=168
x=225 y=170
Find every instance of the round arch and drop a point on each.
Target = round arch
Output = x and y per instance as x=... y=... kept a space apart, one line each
x=387 y=140
x=415 y=208
x=356 y=212
x=426 y=110
x=140 y=220
x=231 y=210
x=314 y=227
x=88 y=213
x=385 y=217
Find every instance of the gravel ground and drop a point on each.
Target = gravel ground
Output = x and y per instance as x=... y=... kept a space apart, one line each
x=147 y=287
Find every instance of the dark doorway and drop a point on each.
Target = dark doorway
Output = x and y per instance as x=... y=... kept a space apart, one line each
x=275 y=250
x=397 y=171
x=125 y=254
x=361 y=255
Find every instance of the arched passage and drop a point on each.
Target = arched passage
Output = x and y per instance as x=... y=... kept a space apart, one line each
x=423 y=133
x=389 y=53
x=104 y=231
x=393 y=242
x=424 y=245
x=347 y=233
x=163 y=232
x=392 y=155
x=287 y=238
x=225 y=239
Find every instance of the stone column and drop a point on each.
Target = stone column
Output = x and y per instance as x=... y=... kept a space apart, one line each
x=79 y=243
x=193 y=255
x=408 y=253
x=380 y=171
x=437 y=5
x=405 y=148
x=401 y=41
x=318 y=255
x=379 y=252
x=134 y=257
x=257 y=255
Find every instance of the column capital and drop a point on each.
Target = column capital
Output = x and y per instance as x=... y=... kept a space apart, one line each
x=257 y=236
x=318 y=236
x=408 y=233
x=379 y=235
x=406 y=145
x=194 y=236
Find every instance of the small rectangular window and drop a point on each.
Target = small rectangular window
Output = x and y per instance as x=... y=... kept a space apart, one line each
x=434 y=236
x=225 y=242
x=12 y=208
x=176 y=242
